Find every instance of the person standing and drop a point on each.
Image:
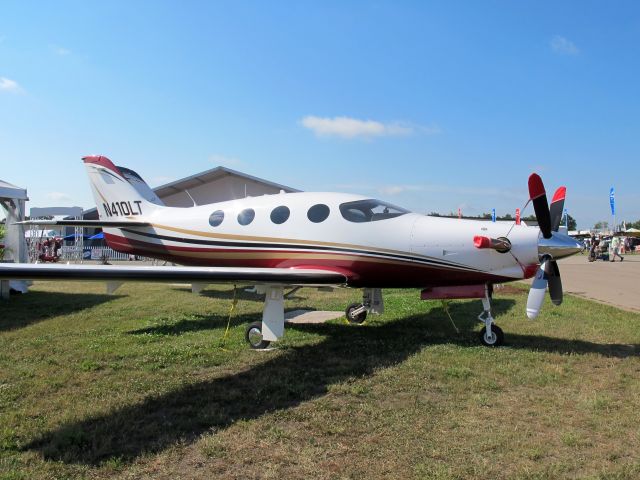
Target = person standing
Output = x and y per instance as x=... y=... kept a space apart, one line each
x=615 y=246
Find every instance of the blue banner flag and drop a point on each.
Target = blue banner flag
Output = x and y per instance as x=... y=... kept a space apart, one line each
x=612 y=201
x=493 y=214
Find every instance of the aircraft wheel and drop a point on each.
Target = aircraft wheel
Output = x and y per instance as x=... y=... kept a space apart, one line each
x=353 y=317
x=253 y=336
x=495 y=340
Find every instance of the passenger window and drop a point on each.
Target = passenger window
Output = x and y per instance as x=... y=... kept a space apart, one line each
x=216 y=218
x=246 y=216
x=280 y=214
x=318 y=213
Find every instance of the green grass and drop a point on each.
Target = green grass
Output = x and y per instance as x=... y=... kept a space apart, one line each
x=142 y=385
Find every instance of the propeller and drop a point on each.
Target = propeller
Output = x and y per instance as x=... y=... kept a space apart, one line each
x=548 y=274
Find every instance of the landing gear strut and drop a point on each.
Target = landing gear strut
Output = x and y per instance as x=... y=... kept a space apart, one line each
x=491 y=335
x=371 y=303
x=259 y=335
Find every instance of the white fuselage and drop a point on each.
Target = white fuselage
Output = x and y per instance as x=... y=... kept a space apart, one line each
x=403 y=251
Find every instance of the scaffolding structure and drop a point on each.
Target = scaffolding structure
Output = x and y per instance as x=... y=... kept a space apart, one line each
x=43 y=248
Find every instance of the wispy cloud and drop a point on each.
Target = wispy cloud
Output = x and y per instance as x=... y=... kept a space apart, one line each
x=59 y=196
x=348 y=127
x=563 y=46
x=58 y=50
x=10 y=86
x=225 y=161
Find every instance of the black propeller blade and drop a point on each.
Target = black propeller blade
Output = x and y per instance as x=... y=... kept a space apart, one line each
x=557 y=206
x=555 y=283
x=539 y=198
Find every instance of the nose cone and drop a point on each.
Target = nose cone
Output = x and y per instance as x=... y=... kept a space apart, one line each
x=558 y=246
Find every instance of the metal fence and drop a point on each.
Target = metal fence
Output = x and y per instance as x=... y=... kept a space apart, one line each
x=72 y=252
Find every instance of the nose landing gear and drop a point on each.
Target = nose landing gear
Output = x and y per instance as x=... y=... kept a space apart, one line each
x=491 y=335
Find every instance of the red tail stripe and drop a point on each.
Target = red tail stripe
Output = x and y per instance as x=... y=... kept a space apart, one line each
x=103 y=162
x=559 y=195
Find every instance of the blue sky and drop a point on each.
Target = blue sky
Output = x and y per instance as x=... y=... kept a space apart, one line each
x=430 y=105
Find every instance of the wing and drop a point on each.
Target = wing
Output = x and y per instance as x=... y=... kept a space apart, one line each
x=86 y=223
x=117 y=273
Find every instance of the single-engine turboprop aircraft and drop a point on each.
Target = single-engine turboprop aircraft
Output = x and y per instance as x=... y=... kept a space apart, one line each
x=318 y=240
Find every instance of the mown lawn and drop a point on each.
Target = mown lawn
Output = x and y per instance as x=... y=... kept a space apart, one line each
x=142 y=385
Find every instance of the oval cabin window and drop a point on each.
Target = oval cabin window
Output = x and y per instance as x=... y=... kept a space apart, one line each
x=318 y=213
x=246 y=216
x=280 y=214
x=216 y=218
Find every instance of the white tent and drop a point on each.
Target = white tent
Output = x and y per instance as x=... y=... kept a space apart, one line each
x=12 y=200
x=632 y=232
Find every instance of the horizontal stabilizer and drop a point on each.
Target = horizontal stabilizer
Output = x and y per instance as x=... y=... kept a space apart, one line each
x=87 y=223
x=251 y=276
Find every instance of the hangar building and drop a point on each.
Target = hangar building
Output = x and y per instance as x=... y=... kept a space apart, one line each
x=216 y=185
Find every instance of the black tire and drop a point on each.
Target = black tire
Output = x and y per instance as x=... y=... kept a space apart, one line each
x=253 y=336
x=497 y=336
x=358 y=319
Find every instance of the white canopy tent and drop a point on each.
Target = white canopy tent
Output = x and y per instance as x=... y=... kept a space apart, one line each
x=12 y=200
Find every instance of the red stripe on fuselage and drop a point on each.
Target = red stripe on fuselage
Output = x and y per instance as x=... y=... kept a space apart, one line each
x=363 y=271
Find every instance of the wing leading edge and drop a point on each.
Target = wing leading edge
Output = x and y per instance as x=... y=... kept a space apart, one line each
x=276 y=276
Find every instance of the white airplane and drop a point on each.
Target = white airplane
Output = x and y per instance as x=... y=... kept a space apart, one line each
x=318 y=240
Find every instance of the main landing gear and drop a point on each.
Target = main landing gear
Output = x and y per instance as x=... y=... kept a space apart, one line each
x=371 y=302
x=259 y=335
x=491 y=335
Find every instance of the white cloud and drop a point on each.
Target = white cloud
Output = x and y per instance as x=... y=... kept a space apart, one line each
x=563 y=46
x=58 y=50
x=8 y=85
x=59 y=196
x=347 y=127
x=225 y=161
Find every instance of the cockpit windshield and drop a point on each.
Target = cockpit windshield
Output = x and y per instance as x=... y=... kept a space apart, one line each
x=370 y=210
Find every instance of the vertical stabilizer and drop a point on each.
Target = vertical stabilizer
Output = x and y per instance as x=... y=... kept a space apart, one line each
x=116 y=198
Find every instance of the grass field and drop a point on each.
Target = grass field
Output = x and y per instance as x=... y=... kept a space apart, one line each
x=141 y=385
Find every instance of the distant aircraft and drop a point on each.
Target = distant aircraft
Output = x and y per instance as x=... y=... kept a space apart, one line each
x=318 y=240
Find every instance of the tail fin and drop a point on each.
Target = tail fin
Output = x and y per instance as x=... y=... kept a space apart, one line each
x=116 y=198
x=140 y=185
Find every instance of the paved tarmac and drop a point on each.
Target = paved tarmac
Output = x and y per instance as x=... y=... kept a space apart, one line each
x=614 y=283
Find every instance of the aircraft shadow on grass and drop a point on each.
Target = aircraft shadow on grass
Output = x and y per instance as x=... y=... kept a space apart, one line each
x=297 y=375
x=23 y=310
x=241 y=294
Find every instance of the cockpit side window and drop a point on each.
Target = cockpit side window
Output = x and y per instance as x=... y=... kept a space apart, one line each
x=371 y=210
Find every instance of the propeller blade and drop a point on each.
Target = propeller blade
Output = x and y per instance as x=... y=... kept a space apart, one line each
x=557 y=207
x=555 y=283
x=540 y=205
x=537 y=291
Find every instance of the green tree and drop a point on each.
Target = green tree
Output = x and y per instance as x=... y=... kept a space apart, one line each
x=635 y=224
x=601 y=225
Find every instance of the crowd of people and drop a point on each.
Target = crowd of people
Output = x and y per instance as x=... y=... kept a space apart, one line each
x=608 y=248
